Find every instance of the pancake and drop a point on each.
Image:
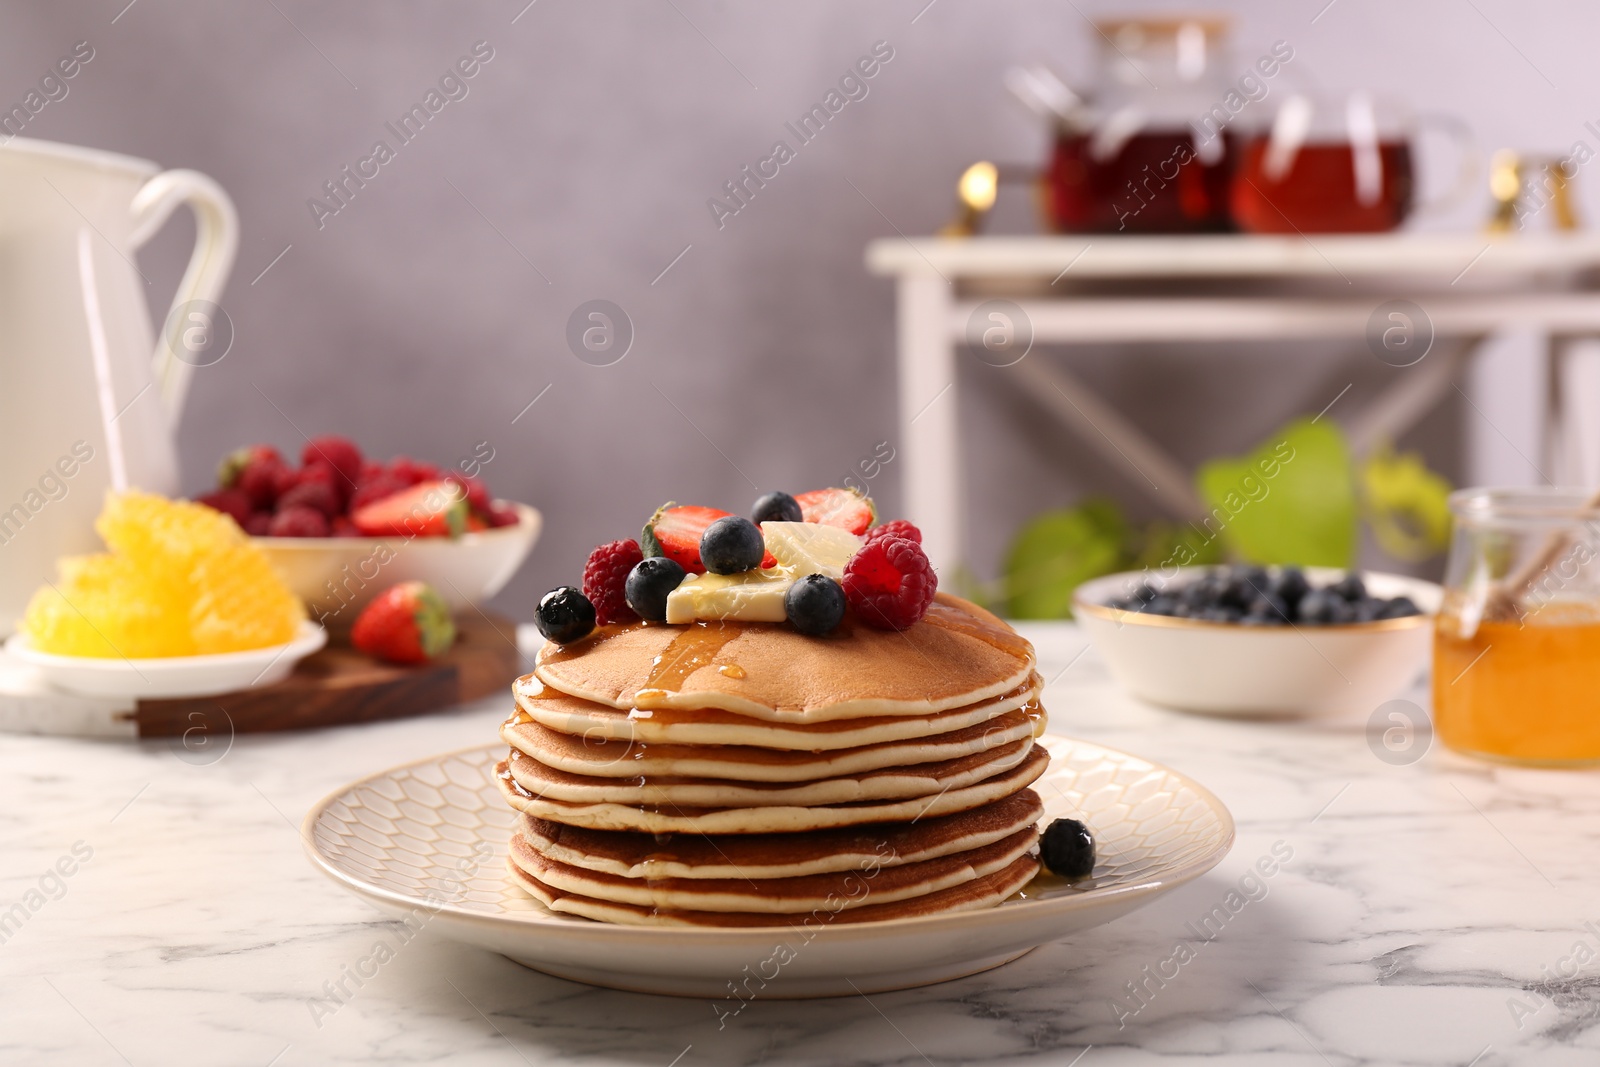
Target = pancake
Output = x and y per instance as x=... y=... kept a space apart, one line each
x=957 y=655
x=985 y=892
x=637 y=855
x=887 y=783
x=873 y=884
x=585 y=756
x=784 y=818
x=707 y=726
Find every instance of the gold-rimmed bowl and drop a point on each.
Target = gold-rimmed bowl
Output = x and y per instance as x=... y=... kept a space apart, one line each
x=1224 y=668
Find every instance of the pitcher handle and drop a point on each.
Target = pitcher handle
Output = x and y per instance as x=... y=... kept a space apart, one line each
x=1467 y=165
x=216 y=241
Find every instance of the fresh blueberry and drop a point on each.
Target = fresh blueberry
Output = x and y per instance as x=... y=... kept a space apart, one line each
x=1350 y=587
x=731 y=545
x=564 y=615
x=1270 y=606
x=1161 y=605
x=1235 y=591
x=1145 y=593
x=1253 y=576
x=776 y=507
x=648 y=585
x=814 y=604
x=1067 y=848
x=1367 y=609
x=1399 y=608
x=1290 y=585
x=1317 y=608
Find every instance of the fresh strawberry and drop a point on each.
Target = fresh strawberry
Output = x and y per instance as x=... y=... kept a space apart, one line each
x=429 y=509
x=312 y=494
x=605 y=578
x=896 y=528
x=231 y=501
x=338 y=452
x=675 y=532
x=476 y=523
x=298 y=521
x=848 y=509
x=407 y=623
x=889 y=583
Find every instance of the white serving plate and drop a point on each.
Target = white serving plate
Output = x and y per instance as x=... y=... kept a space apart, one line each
x=1220 y=668
x=428 y=841
x=176 y=676
x=465 y=570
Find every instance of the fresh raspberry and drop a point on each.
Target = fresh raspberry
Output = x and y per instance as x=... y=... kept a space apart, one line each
x=373 y=489
x=412 y=471
x=344 y=527
x=502 y=515
x=889 y=583
x=896 y=528
x=340 y=453
x=299 y=521
x=605 y=577
x=258 y=523
x=260 y=477
x=312 y=494
x=232 y=501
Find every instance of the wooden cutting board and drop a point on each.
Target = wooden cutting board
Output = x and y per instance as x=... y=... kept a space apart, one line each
x=339 y=686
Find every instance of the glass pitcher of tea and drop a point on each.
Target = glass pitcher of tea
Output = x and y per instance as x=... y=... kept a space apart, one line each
x=1337 y=165
x=1516 y=661
x=1132 y=161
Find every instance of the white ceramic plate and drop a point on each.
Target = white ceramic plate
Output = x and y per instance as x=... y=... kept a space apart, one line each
x=427 y=842
x=337 y=576
x=176 y=676
x=1223 y=668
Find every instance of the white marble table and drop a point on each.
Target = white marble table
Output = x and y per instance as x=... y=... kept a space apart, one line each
x=1432 y=913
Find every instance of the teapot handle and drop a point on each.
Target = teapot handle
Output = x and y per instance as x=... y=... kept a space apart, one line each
x=216 y=240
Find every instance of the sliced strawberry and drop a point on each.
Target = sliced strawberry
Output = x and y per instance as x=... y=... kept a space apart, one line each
x=431 y=509
x=848 y=509
x=674 y=532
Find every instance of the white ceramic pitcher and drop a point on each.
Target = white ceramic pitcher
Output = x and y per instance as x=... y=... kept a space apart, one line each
x=84 y=405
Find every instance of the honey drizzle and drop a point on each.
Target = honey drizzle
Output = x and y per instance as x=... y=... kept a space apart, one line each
x=955 y=620
x=691 y=650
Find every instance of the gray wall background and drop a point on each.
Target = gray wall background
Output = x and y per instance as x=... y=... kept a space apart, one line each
x=426 y=314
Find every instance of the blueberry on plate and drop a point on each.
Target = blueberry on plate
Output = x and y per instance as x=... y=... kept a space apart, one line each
x=814 y=605
x=648 y=585
x=1067 y=848
x=776 y=507
x=564 y=615
x=732 y=545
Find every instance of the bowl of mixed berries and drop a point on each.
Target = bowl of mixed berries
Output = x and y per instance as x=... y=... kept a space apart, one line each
x=1261 y=641
x=341 y=527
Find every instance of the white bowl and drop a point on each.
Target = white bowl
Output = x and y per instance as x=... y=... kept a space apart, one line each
x=336 y=576
x=1220 y=668
x=174 y=676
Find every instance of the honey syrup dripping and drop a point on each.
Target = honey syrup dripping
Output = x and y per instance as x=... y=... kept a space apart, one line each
x=696 y=647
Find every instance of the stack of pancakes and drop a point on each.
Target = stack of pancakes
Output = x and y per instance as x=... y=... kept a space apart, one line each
x=743 y=774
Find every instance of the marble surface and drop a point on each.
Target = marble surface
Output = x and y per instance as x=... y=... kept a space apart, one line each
x=1430 y=911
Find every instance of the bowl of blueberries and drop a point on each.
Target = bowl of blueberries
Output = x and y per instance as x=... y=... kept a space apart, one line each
x=1245 y=640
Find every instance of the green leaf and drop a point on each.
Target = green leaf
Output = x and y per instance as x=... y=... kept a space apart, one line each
x=1164 y=545
x=1407 y=505
x=1056 y=552
x=1292 y=500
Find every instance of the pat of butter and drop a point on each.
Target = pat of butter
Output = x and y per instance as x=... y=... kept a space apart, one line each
x=801 y=548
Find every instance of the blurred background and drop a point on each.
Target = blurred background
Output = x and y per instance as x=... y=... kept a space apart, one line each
x=427 y=313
